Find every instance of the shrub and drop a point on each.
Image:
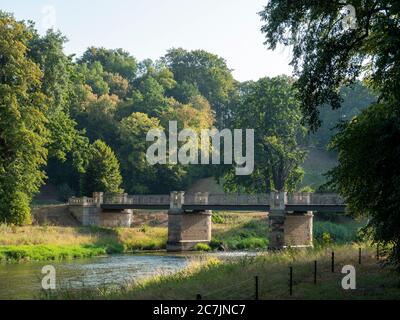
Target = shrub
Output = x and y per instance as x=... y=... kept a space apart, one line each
x=217 y=219
x=328 y=232
x=202 y=247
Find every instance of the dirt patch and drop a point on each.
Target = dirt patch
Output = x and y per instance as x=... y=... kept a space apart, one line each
x=57 y=215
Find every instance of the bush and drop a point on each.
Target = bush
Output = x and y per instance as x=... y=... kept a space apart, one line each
x=217 y=219
x=328 y=232
x=248 y=243
x=202 y=247
x=16 y=207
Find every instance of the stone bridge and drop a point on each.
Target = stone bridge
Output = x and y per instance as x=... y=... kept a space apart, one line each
x=189 y=215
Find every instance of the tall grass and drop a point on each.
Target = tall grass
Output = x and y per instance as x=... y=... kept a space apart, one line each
x=240 y=231
x=329 y=232
x=226 y=280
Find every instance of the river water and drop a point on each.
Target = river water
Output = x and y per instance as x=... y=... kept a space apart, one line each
x=23 y=281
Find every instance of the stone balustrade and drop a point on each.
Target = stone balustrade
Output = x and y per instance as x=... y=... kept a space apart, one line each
x=275 y=200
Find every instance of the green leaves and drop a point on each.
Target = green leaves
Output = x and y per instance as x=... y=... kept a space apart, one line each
x=102 y=173
x=269 y=106
x=23 y=132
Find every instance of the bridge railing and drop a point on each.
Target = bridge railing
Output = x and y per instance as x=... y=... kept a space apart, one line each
x=226 y=199
x=84 y=201
x=137 y=199
x=299 y=198
x=203 y=198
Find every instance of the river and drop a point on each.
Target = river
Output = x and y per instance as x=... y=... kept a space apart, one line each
x=23 y=280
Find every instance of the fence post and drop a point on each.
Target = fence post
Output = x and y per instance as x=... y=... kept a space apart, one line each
x=333 y=262
x=256 y=287
x=198 y=297
x=359 y=256
x=315 y=272
x=291 y=281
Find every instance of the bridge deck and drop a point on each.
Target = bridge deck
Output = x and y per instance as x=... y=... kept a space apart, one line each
x=294 y=202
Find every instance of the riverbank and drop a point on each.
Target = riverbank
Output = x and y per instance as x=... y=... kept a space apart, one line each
x=39 y=243
x=230 y=231
x=216 y=279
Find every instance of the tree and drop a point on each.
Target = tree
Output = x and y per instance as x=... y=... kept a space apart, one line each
x=201 y=72
x=23 y=133
x=326 y=56
x=115 y=61
x=355 y=99
x=269 y=106
x=368 y=173
x=139 y=175
x=103 y=172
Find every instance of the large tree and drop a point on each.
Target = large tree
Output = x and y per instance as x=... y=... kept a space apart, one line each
x=269 y=106
x=200 y=72
x=102 y=172
x=327 y=55
x=23 y=133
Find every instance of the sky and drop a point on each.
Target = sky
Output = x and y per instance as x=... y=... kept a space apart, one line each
x=148 y=28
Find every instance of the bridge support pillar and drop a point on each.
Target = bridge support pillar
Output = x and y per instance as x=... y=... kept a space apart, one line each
x=288 y=229
x=276 y=230
x=298 y=229
x=186 y=229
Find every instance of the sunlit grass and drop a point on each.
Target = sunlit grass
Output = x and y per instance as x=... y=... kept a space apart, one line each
x=215 y=279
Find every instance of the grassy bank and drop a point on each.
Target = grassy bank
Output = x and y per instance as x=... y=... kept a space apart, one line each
x=57 y=243
x=214 y=279
x=239 y=231
x=230 y=231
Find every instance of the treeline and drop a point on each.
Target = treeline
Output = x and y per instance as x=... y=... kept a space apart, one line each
x=80 y=123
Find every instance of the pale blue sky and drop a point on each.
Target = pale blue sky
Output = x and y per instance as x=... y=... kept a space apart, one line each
x=148 y=28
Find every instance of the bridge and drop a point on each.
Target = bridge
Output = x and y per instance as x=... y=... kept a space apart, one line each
x=189 y=214
x=320 y=202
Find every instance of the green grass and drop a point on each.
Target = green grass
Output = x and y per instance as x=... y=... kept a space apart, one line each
x=231 y=280
x=239 y=231
x=50 y=252
x=38 y=243
x=339 y=233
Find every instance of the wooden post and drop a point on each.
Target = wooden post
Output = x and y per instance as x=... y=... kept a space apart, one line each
x=359 y=256
x=256 y=287
x=315 y=272
x=291 y=281
x=333 y=262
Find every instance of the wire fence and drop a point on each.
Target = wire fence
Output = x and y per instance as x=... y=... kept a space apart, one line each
x=258 y=286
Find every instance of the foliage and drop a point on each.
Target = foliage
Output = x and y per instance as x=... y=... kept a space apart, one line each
x=202 y=247
x=326 y=232
x=102 y=173
x=368 y=171
x=327 y=56
x=201 y=72
x=23 y=132
x=275 y=116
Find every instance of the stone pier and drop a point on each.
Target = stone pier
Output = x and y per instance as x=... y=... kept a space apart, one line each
x=187 y=229
x=289 y=229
